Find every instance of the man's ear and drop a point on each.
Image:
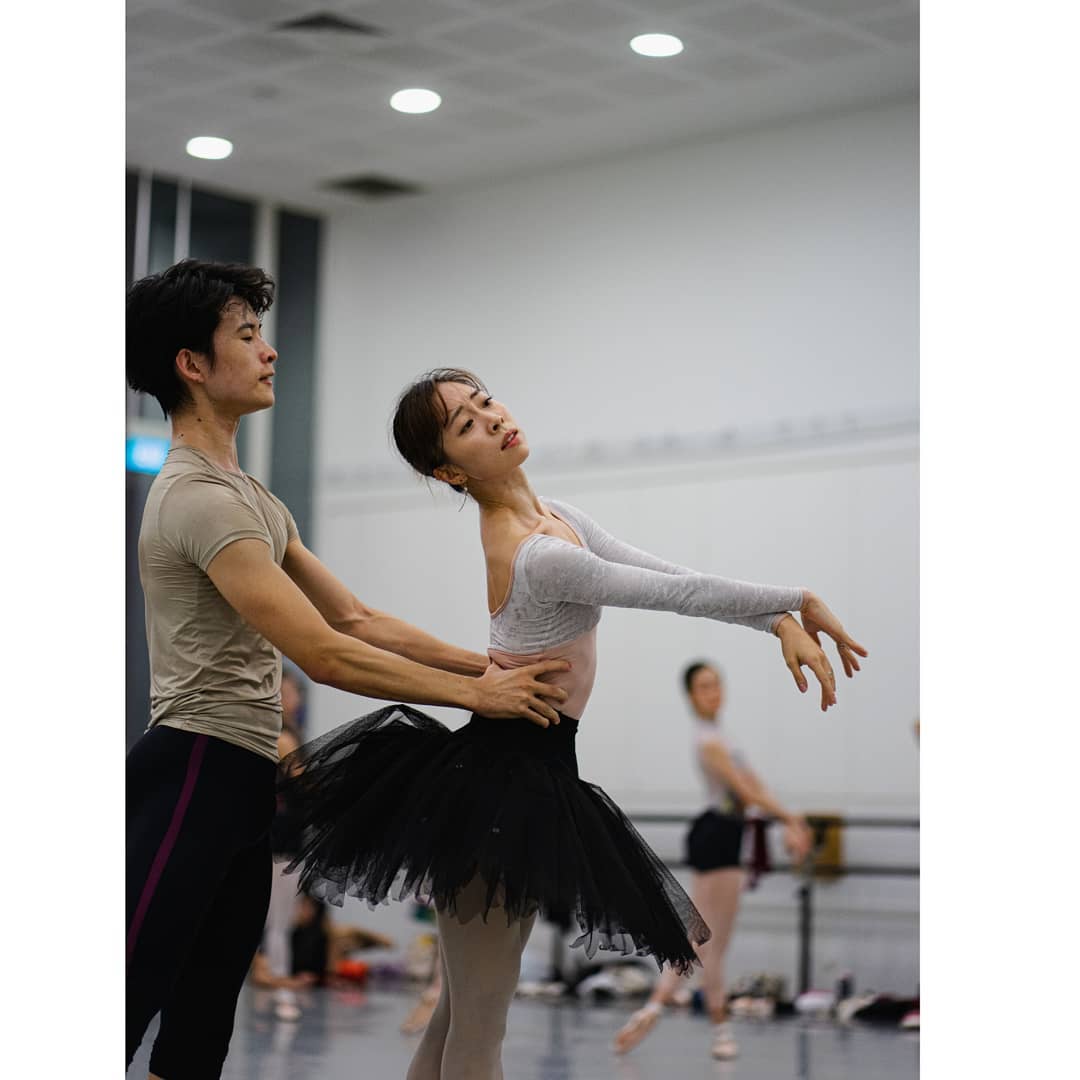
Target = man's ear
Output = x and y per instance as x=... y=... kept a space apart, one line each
x=191 y=365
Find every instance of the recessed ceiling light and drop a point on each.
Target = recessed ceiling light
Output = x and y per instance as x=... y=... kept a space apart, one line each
x=656 y=45
x=209 y=146
x=415 y=100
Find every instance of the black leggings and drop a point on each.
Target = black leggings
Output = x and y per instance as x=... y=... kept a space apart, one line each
x=198 y=885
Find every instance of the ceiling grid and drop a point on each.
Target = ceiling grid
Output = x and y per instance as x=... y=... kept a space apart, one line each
x=526 y=84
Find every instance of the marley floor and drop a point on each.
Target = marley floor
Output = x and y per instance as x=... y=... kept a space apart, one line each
x=353 y=1035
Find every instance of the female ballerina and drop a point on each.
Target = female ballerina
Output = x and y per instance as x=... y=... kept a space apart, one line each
x=492 y=821
x=713 y=846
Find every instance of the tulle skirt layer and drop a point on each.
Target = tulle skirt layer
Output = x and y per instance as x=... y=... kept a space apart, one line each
x=489 y=818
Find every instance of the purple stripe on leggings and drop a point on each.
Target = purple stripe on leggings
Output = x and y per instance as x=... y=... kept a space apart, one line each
x=167 y=844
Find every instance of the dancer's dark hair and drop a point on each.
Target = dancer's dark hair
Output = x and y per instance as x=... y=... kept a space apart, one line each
x=420 y=416
x=692 y=669
x=180 y=308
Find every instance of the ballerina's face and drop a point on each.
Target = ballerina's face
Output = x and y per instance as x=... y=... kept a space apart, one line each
x=707 y=692
x=480 y=437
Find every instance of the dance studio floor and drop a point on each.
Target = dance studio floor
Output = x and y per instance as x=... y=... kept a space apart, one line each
x=351 y=1035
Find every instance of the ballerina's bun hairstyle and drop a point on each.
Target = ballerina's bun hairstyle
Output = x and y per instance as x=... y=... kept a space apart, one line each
x=180 y=308
x=420 y=416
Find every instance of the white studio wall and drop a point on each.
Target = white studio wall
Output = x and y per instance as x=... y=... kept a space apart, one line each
x=726 y=284
x=763 y=286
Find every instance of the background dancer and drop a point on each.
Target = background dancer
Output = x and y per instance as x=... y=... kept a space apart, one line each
x=713 y=849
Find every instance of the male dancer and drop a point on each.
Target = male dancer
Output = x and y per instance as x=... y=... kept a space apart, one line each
x=229 y=587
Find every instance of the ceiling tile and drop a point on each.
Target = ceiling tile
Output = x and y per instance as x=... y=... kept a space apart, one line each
x=167 y=74
x=402 y=17
x=158 y=29
x=674 y=7
x=138 y=87
x=494 y=37
x=563 y=102
x=728 y=67
x=255 y=13
x=421 y=132
x=492 y=80
x=347 y=114
x=335 y=78
x=818 y=46
x=411 y=58
x=486 y=7
x=259 y=50
x=901 y=29
x=567 y=60
x=574 y=17
x=845 y=8
x=486 y=118
x=748 y=22
x=644 y=84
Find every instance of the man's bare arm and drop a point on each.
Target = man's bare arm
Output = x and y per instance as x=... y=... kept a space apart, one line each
x=349 y=615
x=268 y=599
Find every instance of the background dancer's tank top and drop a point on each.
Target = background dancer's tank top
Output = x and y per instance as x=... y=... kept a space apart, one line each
x=721 y=797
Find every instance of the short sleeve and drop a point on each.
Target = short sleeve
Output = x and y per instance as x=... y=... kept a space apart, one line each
x=291 y=531
x=200 y=515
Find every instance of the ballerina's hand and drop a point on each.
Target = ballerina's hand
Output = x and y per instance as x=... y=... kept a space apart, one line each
x=800 y=648
x=818 y=619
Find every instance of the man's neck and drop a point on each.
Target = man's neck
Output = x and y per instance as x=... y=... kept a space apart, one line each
x=214 y=435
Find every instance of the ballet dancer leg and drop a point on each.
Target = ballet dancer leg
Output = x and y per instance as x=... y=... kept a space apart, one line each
x=717 y=896
x=426 y=1063
x=278 y=924
x=643 y=1020
x=483 y=962
x=420 y=1014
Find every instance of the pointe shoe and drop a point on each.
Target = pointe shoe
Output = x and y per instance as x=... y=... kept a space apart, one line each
x=285 y=1008
x=724 y=1047
x=637 y=1027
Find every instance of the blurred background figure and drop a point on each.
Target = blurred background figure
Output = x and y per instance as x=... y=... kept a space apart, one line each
x=284 y=842
x=714 y=848
x=293 y=700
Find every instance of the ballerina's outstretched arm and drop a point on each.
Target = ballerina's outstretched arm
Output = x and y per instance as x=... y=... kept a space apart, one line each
x=554 y=570
x=815 y=614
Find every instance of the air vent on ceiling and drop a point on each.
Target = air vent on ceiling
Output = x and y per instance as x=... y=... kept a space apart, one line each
x=327 y=22
x=373 y=186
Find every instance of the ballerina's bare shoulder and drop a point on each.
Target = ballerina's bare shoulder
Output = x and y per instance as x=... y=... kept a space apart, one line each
x=503 y=538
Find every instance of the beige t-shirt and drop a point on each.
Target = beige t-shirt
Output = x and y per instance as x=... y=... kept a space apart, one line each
x=210 y=672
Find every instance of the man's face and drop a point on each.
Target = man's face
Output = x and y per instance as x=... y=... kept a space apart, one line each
x=242 y=378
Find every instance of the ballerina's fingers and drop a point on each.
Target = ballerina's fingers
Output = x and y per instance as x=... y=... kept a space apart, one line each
x=821 y=668
x=848 y=647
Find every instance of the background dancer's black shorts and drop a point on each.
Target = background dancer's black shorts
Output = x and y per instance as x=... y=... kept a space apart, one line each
x=714 y=841
x=396 y=804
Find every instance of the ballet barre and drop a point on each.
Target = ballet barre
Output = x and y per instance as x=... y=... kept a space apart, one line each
x=807 y=870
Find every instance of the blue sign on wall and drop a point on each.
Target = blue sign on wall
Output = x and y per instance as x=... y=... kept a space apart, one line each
x=146 y=454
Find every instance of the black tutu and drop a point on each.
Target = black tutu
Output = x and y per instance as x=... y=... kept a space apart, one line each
x=395 y=804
